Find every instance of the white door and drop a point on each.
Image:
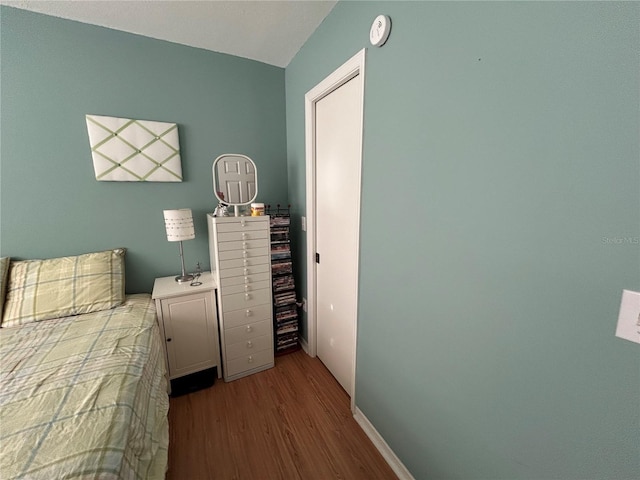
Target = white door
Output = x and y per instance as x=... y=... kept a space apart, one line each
x=338 y=145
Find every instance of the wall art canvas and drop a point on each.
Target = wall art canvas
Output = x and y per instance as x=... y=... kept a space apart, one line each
x=126 y=150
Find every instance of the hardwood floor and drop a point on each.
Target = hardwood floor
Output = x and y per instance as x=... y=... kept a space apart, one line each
x=290 y=422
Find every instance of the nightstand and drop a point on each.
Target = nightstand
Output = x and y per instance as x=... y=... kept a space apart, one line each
x=188 y=321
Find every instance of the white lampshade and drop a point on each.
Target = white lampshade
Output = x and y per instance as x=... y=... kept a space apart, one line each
x=179 y=225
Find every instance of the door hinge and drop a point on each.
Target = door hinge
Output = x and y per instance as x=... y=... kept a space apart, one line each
x=317 y=257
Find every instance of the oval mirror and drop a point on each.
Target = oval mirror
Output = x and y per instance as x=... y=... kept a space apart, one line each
x=235 y=180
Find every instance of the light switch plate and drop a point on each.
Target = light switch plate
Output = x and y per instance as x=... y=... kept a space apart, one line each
x=629 y=316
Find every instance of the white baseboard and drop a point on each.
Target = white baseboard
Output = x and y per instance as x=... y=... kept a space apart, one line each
x=394 y=462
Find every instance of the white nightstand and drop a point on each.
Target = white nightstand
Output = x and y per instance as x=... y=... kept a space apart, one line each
x=188 y=321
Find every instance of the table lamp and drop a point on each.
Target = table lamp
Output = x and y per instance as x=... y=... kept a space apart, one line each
x=179 y=225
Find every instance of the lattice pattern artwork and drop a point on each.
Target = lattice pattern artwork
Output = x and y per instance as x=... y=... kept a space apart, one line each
x=126 y=150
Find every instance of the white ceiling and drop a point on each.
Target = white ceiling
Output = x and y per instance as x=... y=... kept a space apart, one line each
x=268 y=31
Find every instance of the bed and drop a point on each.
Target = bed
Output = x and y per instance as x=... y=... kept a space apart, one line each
x=83 y=391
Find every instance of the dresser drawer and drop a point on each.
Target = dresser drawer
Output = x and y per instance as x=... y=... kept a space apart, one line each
x=244 y=266
x=244 y=279
x=252 y=329
x=248 y=316
x=242 y=225
x=249 y=346
x=249 y=253
x=250 y=287
x=249 y=362
x=243 y=244
x=237 y=301
x=244 y=235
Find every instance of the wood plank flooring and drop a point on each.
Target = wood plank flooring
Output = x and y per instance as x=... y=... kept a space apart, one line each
x=289 y=422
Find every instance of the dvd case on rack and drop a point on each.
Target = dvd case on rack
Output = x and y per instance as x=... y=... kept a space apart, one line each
x=285 y=307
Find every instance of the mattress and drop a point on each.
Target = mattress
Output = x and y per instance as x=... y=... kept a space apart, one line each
x=85 y=396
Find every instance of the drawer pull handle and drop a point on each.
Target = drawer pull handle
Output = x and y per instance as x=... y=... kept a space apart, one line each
x=168 y=339
x=250 y=359
x=249 y=344
x=249 y=328
x=248 y=314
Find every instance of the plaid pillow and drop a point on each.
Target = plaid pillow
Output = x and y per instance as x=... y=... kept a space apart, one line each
x=4 y=271
x=43 y=289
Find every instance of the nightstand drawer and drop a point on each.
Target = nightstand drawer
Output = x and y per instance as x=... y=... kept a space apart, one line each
x=248 y=315
x=243 y=245
x=237 y=301
x=249 y=346
x=245 y=287
x=249 y=362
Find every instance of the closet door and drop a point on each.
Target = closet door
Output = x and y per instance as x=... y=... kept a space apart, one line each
x=338 y=147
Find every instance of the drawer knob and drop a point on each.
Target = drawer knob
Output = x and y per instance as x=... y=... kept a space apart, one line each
x=250 y=359
x=247 y=288
x=248 y=313
x=246 y=270
x=249 y=344
x=247 y=296
x=249 y=328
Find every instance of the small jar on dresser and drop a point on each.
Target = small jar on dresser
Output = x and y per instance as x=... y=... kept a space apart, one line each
x=239 y=249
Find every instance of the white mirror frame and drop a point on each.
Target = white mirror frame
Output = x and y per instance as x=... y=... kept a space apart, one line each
x=216 y=180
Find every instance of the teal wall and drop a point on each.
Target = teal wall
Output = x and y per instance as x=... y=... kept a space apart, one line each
x=500 y=219
x=500 y=223
x=55 y=71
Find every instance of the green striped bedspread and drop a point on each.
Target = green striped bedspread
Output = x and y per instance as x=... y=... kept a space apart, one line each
x=85 y=396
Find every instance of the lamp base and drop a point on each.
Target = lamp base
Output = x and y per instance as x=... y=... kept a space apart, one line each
x=184 y=278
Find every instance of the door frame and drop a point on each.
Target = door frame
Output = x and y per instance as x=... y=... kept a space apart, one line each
x=349 y=70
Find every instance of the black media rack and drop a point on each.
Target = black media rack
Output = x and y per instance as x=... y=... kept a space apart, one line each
x=285 y=307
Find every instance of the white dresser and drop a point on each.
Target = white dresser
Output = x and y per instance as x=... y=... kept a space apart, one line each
x=239 y=248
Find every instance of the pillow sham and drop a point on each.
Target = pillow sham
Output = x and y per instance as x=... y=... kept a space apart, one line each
x=4 y=273
x=59 y=287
